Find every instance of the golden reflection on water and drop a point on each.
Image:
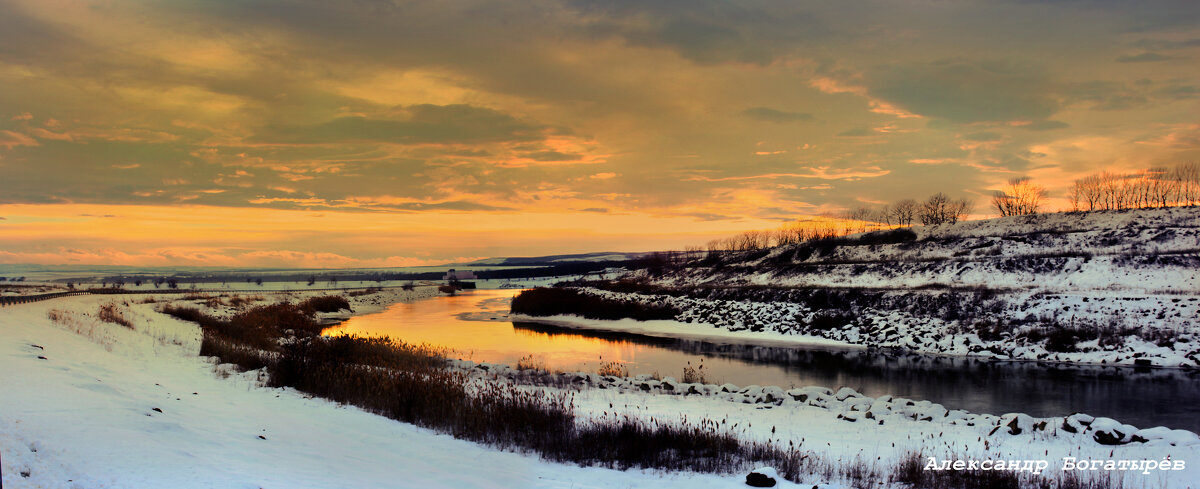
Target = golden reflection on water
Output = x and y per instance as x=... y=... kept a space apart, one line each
x=959 y=383
x=436 y=322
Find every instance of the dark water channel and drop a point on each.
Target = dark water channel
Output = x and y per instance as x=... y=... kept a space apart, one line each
x=475 y=326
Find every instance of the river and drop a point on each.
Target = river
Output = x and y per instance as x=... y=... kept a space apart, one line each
x=476 y=327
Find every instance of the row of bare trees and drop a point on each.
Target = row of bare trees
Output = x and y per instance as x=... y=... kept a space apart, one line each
x=939 y=208
x=1153 y=187
x=790 y=233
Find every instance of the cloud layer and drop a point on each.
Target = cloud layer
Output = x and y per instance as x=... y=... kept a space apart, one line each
x=741 y=113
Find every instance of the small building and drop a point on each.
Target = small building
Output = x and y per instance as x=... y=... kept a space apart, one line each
x=455 y=279
x=452 y=275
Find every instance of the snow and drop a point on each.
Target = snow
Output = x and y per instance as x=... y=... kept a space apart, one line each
x=85 y=417
x=110 y=406
x=1127 y=277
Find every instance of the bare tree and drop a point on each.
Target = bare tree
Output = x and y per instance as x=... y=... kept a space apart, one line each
x=940 y=208
x=933 y=210
x=1187 y=180
x=959 y=209
x=1021 y=197
x=904 y=211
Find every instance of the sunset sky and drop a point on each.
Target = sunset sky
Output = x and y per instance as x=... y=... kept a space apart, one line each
x=392 y=133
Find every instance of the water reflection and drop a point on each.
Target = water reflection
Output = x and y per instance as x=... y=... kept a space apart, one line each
x=476 y=326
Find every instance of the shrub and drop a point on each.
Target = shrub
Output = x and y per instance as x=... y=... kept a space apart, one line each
x=366 y=291
x=328 y=303
x=109 y=313
x=543 y=301
x=694 y=375
x=239 y=302
x=260 y=327
x=229 y=351
x=613 y=369
x=894 y=236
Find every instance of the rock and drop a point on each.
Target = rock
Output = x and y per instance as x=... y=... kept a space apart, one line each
x=1161 y=435
x=752 y=390
x=729 y=388
x=773 y=395
x=761 y=477
x=1017 y=423
x=1108 y=431
x=859 y=403
x=846 y=393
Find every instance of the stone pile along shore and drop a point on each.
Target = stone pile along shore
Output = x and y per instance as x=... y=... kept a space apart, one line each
x=850 y=405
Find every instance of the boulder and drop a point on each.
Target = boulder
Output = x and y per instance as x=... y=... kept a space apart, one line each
x=1161 y=435
x=761 y=477
x=846 y=393
x=1108 y=431
x=1017 y=423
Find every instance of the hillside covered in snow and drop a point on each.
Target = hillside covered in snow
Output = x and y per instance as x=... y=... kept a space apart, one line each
x=1106 y=287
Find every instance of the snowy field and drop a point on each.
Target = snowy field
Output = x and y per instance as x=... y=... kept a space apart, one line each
x=88 y=404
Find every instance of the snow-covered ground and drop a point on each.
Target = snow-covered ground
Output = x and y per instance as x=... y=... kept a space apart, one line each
x=89 y=404
x=1117 y=287
x=85 y=403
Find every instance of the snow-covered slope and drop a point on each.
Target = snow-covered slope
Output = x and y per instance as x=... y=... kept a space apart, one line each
x=1106 y=287
x=90 y=404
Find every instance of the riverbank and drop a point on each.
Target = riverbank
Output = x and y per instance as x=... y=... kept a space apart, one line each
x=88 y=403
x=166 y=420
x=1105 y=288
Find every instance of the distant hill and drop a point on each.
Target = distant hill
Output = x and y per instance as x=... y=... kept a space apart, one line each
x=607 y=256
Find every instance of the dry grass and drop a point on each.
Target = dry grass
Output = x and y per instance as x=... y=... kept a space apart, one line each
x=528 y=362
x=240 y=302
x=327 y=303
x=112 y=314
x=613 y=369
x=694 y=375
x=411 y=383
x=366 y=291
x=910 y=470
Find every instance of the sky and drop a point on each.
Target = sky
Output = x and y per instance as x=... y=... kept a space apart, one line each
x=396 y=133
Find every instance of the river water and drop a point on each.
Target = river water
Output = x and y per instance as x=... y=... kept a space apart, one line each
x=475 y=326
